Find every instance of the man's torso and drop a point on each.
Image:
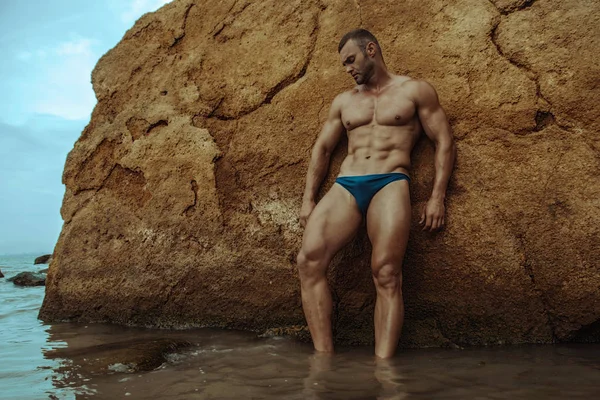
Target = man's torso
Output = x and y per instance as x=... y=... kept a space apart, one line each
x=382 y=128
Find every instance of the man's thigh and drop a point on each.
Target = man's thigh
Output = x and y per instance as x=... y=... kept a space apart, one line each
x=332 y=224
x=388 y=222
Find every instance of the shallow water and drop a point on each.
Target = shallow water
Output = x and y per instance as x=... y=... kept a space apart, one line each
x=67 y=361
x=24 y=372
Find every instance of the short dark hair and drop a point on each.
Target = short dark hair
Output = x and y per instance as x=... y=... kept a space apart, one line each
x=361 y=37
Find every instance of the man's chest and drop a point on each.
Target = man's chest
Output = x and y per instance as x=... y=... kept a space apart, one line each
x=390 y=109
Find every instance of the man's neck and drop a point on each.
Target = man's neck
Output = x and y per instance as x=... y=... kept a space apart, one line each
x=380 y=79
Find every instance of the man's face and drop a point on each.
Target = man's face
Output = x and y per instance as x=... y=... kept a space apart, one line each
x=356 y=63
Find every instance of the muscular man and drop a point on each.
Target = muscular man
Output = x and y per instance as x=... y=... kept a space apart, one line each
x=383 y=117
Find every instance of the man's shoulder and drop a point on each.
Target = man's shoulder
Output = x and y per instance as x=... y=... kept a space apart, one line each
x=346 y=94
x=419 y=90
x=341 y=98
x=416 y=85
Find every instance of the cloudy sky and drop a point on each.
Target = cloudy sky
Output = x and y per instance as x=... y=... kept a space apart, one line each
x=49 y=48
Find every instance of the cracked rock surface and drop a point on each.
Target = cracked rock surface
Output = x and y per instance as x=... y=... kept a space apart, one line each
x=183 y=192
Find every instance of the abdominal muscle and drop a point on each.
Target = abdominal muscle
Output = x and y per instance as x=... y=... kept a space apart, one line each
x=377 y=149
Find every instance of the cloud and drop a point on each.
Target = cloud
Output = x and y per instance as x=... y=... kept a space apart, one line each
x=53 y=79
x=79 y=46
x=65 y=89
x=137 y=8
x=24 y=55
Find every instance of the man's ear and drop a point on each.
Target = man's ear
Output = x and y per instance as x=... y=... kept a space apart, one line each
x=371 y=49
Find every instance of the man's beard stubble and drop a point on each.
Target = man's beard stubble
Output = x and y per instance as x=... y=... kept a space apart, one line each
x=365 y=75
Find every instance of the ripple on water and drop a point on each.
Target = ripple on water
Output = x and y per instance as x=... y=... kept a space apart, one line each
x=95 y=361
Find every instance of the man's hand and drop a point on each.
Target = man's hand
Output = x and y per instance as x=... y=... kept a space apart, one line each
x=432 y=215
x=307 y=207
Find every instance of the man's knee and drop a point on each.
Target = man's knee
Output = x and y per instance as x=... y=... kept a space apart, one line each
x=311 y=261
x=387 y=272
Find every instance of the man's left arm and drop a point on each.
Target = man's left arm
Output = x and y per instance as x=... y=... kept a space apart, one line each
x=436 y=127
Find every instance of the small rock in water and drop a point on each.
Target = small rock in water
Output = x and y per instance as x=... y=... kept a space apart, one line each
x=45 y=259
x=122 y=357
x=119 y=367
x=1 y=274
x=28 y=279
x=43 y=271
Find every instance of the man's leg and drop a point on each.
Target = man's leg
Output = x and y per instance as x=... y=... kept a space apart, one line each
x=330 y=226
x=388 y=226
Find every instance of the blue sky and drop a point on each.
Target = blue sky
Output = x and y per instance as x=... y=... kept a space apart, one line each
x=49 y=49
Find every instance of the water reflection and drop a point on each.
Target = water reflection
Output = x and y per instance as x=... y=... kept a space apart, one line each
x=328 y=378
x=100 y=361
x=66 y=361
x=346 y=376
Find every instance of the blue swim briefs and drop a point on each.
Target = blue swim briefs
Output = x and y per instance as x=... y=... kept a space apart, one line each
x=364 y=187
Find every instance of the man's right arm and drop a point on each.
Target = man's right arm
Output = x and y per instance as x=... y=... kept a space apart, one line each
x=321 y=153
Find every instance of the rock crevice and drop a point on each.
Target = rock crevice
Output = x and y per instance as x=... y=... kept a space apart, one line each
x=274 y=91
x=181 y=34
x=545 y=105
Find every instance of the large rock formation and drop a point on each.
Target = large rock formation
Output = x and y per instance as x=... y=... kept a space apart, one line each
x=184 y=189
